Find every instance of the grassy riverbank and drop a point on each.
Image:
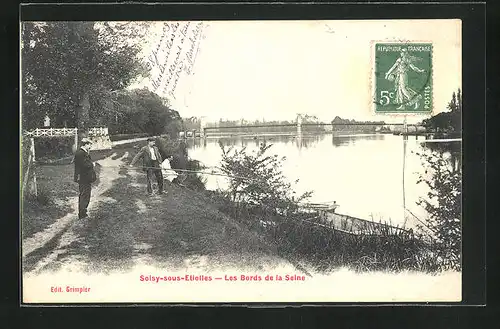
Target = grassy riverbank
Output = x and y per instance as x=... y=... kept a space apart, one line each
x=322 y=249
x=128 y=225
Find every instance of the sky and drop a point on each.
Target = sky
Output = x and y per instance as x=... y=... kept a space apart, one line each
x=273 y=70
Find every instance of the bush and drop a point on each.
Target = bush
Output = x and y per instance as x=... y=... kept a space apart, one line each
x=181 y=162
x=444 y=206
x=260 y=198
x=54 y=148
x=257 y=183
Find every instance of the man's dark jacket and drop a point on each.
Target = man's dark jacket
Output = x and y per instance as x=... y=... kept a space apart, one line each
x=84 y=169
x=145 y=154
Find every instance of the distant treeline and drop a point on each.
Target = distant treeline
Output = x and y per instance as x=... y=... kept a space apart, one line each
x=238 y=123
x=309 y=124
x=340 y=124
x=449 y=122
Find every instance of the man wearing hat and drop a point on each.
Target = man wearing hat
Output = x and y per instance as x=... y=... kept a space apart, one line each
x=84 y=176
x=151 y=159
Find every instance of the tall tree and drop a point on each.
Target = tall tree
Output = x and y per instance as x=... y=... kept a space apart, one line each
x=143 y=111
x=450 y=121
x=452 y=105
x=456 y=112
x=69 y=70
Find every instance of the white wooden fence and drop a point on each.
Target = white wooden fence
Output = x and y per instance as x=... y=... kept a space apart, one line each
x=100 y=135
x=98 y=132
x=52 y=132
x=61 y=132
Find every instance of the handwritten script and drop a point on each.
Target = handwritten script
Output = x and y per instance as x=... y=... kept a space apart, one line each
x=173 y=55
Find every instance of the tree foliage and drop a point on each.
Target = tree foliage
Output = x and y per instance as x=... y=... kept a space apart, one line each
x=177 y=150
x=443 y=177
x=141 y=110
x=444 y=207
x=450 y=121
x=70 y=69
x=257 y=180
x=340 y=124
x=191 y=123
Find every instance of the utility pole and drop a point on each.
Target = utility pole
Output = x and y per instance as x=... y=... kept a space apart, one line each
x=299 y=125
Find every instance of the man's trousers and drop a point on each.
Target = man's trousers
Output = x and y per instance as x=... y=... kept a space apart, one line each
x=83 y=198
x=157 y=174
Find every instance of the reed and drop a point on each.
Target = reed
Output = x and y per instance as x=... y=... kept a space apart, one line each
x=324 y=248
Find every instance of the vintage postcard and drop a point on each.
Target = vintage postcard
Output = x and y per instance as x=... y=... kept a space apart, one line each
x=241 y=161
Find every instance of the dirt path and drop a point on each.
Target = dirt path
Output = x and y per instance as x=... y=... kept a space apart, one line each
x=128 y=228
x=61 y=228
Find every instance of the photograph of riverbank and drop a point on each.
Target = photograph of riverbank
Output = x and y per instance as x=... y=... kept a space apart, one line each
x=235 y=162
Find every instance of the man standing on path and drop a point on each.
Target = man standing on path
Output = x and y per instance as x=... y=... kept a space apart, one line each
x=151 y=159
x=84 y=176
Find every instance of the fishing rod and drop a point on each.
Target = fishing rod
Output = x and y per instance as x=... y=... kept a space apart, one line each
x=184 y=170
x=177 y=170
x=424 y=225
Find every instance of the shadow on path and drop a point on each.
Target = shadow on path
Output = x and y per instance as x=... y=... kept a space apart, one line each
x=178 y=230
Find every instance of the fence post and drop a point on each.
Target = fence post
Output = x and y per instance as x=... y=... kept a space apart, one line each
x=33 y=158
x=32 y=148
x=76 y=138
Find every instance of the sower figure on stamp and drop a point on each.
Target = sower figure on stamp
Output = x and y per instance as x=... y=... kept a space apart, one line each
x=398 y=73
x=84 y=175
x=151 y=160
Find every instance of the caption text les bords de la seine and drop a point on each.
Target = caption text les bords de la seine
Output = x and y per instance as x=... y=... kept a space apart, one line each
x=226 y=277
x=193 y=278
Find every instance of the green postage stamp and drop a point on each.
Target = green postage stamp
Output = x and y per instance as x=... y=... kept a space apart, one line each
x=403 y=77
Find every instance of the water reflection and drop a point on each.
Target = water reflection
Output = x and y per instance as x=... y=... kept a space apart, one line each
x=363 y=173
x=346 y=140
x=243 y=141
x=451 y=150
x=194 y=143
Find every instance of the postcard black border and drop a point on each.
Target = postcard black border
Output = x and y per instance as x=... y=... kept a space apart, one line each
x=473 y=77
x=473 y=23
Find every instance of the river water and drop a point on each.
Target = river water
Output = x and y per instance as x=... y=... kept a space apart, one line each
x=363 y=173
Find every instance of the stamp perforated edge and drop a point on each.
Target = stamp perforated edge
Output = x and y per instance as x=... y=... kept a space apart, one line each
x=372 y=82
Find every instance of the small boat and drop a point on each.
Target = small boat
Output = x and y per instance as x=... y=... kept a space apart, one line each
x=358 y=226
x=324 y=206
x=328 y=217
